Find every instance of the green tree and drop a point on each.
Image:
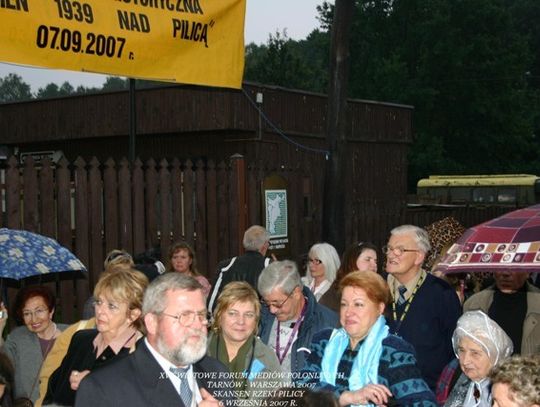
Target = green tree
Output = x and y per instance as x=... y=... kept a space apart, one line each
x=13 y=89
x=462 y=65
x=277 y=63
x=52 y=90
x=113 y=83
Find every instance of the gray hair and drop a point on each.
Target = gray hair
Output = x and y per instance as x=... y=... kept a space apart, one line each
x=520 y=374
x=420 y=236
x=155 y=297
x=328 y=256
x=279 y=274
x=484 y=331
x=255 y=238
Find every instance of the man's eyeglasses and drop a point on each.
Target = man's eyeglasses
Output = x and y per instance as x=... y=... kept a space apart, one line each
x=187 y=318
x=397 y=251
x=278 y=306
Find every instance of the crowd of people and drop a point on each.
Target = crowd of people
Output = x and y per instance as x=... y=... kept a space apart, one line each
x=351 y=330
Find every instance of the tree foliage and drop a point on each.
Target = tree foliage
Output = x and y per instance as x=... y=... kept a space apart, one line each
x=13 y=89
x=284 y=62
x=470 y=69
x=113 y=83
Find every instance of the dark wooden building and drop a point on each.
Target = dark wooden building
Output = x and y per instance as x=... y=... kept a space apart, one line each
x=190 y=121
x=214 y=123
x=277 y=130
x=287 y=133
x=185 y=185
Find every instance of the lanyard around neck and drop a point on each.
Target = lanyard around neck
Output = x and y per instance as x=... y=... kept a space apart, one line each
x=407 y=306
x=296 y=327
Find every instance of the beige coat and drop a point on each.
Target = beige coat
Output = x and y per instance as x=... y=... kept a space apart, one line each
x=57 y=353
x=530 y=344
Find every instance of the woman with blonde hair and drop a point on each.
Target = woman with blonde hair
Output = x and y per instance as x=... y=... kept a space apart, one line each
x=118 y=304
x=516 y=382
x=234 y=342
x=182 y=260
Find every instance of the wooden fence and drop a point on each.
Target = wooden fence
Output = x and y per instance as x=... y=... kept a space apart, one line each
x=93 y=207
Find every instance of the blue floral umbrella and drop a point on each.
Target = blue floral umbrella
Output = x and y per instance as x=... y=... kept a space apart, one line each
x=25 y=254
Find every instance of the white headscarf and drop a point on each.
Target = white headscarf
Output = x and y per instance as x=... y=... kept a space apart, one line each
x=485 y=332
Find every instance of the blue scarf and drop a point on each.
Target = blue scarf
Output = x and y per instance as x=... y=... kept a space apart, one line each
x=365 y=367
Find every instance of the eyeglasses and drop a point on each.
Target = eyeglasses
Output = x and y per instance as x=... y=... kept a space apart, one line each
x=278 y=306
x=315 y=261
x=232 y=314
x=187 y=318
x=38 y=313
x=397 y=251
x=111 y=306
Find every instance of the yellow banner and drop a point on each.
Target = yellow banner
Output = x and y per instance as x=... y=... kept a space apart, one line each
x=187 y=41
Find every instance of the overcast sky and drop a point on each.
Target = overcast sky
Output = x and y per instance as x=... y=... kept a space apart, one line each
x=262 y=18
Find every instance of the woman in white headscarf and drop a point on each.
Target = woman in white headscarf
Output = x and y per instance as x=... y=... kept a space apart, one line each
x=479 y=344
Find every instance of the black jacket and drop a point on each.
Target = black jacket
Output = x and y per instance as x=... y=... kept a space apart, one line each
x=247 y=268
x=139 y=381
x=80 y=356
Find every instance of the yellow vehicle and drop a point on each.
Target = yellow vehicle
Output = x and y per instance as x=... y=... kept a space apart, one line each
x=504 y=189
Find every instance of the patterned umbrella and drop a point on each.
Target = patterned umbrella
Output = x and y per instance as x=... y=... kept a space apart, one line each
x=26 y=254
x=442 y=234
x=509 y=242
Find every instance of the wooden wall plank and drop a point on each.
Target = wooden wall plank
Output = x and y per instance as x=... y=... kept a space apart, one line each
x=95 y=223
x=125 y=212
x=110 y=192
x=201 y=219
x=82 y=247
x=188 y=198
x=64 y=236
x=212 y=219
x=165 y=204
x=139 y=215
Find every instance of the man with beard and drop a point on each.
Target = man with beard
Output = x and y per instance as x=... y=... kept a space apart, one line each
x=514 y=304
x=169 y=366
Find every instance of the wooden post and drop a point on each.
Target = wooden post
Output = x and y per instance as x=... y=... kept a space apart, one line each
x=336 y=130
x=238 y=190
x=132 y=121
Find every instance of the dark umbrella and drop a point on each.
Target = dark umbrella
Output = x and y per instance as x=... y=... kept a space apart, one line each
x=509 y=242
x=25 y=254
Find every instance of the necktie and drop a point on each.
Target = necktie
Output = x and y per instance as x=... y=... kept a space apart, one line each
x=401 y=299
x=185 y=391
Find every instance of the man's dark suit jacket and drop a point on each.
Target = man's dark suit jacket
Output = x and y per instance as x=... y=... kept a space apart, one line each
x=139 y=381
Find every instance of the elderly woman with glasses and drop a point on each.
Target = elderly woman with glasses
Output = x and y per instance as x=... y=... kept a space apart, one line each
x=118 y=303
x=479 y=344
x=362 y=362
x=233 y=341
x=27 y=346
x=323 y=263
